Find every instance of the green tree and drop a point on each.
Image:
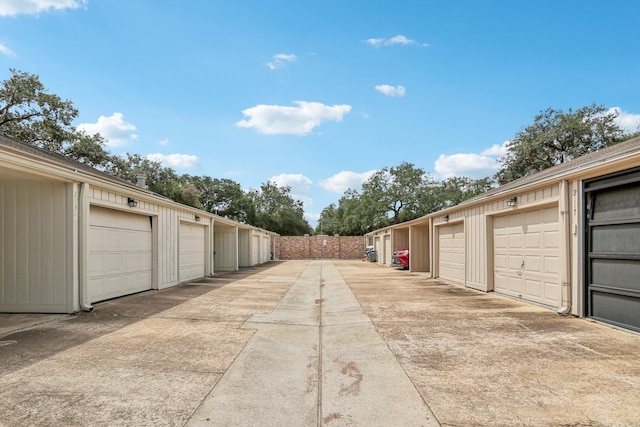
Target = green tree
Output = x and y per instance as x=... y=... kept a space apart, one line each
x=329 y=222
x=224 y=197
x=455 y=190
x=359 y=213
x=277 y=211
x=31 y=114
x=392 y=190
x=353 y=216
x=159 y=179
x=555 y=137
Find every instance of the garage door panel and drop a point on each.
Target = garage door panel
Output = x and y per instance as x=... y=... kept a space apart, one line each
x=551 y=239
x=120 y=254
x=616 y=273
x=531 y=218
x=501 y=281
x=255 y=250
x=387 y=250
x=514 y=220
x=515 y=284
x=500 y=261
x=514 y=241
x=451 y=247
x=612 y=248
x=623 y=310
x=500 y=241
x=532 y=264
x=515 y=262
x=532 y=251
x=621 y=238
x=552 y=266
x=192 y=252
x=532 y=240
x=500 y=222
x=135 y=245
x=534 y=288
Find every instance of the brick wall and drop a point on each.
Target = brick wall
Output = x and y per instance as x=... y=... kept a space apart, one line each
x=316 y=247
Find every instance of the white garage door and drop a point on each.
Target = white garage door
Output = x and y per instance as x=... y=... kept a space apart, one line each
x=265 y=251
x=387 y=249
x=451 y=253
x=192 y=252
x=255 y=250
x=120 y=254
x=527 y=255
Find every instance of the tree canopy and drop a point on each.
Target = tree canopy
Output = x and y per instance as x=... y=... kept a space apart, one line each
x=393 y=195
x=31 y=114
x=555 y=137
x=277 y=211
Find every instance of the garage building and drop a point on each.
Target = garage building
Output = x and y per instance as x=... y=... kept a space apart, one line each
x=567 y=238
x=71 y=236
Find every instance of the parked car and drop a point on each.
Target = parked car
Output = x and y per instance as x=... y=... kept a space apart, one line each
x=400 y=259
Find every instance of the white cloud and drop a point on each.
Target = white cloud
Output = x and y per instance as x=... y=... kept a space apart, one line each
x=496 y=150
x=182 y=161
x=164 y=142
x=34 y=7
x=470 y=165
x=280 y=60
x=312 y=217
x=399 y=39
x=299 y=120
x=114 y=129
x=300 y=186
x=6 y=51
x=627 y=121
x=342 y=181
x=391 y=90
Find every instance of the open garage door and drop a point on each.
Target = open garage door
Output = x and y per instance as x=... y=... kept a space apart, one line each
x=120 y=253
x=451 y=253
x=613 y=250
x=192 y=252
x=527 y=255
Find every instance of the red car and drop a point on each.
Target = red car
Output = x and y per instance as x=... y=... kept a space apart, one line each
x=400 y=259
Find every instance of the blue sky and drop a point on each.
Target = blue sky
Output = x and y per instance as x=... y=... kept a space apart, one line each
x=319 y=95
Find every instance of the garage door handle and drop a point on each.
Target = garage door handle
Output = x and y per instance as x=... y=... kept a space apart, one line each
x=521 y=269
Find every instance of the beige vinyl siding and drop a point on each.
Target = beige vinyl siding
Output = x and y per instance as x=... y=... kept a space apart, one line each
x=36 y=246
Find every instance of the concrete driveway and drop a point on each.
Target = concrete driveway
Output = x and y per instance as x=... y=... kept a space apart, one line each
x=311 y=343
